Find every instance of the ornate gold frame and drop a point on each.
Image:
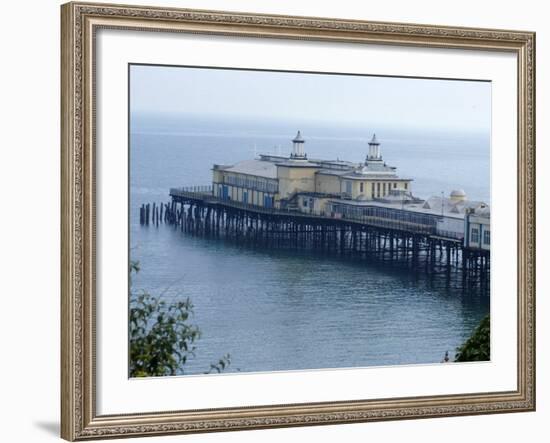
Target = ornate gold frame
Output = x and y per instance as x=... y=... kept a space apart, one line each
x=79 y=420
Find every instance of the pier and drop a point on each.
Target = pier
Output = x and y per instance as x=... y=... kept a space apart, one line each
x=397 y=240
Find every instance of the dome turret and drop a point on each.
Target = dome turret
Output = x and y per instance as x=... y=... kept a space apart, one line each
x=458 y=195
x=298 y=152
x=374 y=150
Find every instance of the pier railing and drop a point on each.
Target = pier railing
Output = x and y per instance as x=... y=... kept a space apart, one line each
x=205 y=194
x=200 y=190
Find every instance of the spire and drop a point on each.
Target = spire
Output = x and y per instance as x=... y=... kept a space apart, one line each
x=374 y=150
x=298 y=138
x=298 y=148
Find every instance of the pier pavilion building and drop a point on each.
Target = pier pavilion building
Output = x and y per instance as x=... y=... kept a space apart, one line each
x=306 y=184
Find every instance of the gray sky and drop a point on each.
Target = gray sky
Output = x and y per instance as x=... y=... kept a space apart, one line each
x=331 y=99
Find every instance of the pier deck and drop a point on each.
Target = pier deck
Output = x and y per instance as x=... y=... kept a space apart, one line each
x=208 y=200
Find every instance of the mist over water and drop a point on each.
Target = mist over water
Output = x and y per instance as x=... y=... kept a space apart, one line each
x=284 y=310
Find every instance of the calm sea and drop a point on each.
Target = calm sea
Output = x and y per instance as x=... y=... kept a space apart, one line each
x=284 y=310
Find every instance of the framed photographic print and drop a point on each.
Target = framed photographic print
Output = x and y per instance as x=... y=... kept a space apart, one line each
x=282 y=221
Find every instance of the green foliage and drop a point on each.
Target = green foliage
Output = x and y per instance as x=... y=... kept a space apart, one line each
x=161 y=337
x=478 y=346
x=222 y=363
